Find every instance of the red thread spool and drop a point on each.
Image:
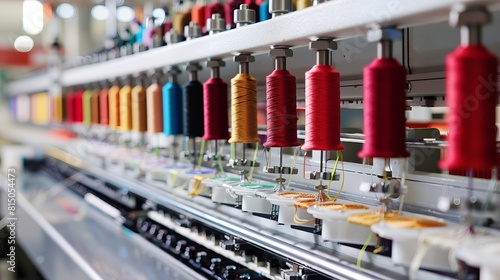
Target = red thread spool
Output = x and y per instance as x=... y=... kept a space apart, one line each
x=471 y=96
x=198 y=15
x=215 y=103
x=281 y=110
x=214 y=8
x=104 y=107
x=78 y=107
x=167 y=25
x=322 y=109
x=384 y=99
x=70 y=111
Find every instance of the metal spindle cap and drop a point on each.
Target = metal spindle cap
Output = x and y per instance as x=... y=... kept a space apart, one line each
x=192 y=30
x=193 y=67
x=94 y=58
x=280 y=52
x=279 y=7
x=322 y=45
x=216 y=24
x=125 y=50
x=244 y=16
x=103 y=56
x=244 y=57
x=113 y=53
x=172 y=37
x=155 y=75
x=137 y=48
x=212 y=63
x=173 y=70
x=462 y=15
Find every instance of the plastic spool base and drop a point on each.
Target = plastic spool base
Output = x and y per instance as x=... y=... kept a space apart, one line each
x=405 y=242
x=219 y=189
x=254 y=197
x=182 y=176
x=256 y=205
x=482 y=252
x=163 y=173
x=336 y=228
x=287 y=211
x=148 y=166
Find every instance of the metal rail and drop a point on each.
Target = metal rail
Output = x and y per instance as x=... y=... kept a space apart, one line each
x=337 y=19
x=314 y=261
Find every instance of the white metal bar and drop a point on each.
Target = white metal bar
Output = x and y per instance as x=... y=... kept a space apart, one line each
x=32 y=84
x=337 y=19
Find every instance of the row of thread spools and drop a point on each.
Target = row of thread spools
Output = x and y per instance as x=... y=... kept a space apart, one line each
x=199 y=11
x=199 y=110
x=152 y=33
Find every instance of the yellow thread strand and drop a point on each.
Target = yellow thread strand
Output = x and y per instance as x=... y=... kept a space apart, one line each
x=363 y=249
x=201 y=188
x=125 y=108
x=378 y=248
x=343 y=176
x=332 y=175
x=244 y=109
x=250 y=174
x=138 y=100
x=114 y=107
x=196 y=186
x=202 y=150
